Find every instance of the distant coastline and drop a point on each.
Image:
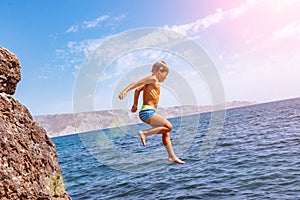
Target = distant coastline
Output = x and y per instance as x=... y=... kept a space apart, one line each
x=66 y=124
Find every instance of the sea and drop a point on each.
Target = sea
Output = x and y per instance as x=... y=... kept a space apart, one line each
x=254 y=154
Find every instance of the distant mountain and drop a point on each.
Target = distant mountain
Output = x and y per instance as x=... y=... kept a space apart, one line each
x=65 y=124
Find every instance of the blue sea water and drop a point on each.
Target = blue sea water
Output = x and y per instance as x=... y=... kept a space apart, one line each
x=257 y=156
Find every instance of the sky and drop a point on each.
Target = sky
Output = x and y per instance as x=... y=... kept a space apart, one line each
x=253 y=44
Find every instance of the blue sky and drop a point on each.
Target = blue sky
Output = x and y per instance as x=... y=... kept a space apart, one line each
x=254 y=44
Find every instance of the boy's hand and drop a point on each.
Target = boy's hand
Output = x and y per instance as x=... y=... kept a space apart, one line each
x=134 y=108
x=122 y=95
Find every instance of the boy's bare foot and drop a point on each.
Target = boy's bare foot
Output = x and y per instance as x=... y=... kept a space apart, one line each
x=176 y=160
x=143 y=138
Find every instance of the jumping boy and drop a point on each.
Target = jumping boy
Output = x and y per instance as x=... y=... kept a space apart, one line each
x=150 y=86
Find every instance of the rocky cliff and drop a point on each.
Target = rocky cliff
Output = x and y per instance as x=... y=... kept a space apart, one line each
x=28 y=158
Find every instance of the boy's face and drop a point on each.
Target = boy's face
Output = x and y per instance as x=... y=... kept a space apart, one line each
x=161 y=76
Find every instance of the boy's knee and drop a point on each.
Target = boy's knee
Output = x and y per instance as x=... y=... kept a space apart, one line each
x=169 y=126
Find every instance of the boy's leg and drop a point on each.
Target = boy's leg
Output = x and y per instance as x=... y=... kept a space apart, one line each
x=168 y=145
x=159 y=125
x=162 y=126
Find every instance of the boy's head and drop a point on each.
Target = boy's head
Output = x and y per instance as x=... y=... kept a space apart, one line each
x=160 y=66
x=160 y=70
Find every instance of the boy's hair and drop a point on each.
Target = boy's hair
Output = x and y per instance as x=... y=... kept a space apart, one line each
x=160 y=66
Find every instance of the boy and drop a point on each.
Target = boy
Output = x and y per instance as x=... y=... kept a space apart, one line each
x=150 y=86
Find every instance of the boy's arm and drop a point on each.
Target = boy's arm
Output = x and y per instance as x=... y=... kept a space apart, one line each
x=144 y=81
x=136 y=98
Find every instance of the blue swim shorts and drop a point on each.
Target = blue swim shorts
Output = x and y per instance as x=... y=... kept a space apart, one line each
x=146 y=112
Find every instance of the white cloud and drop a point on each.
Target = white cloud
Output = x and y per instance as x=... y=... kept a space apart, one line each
x=73 y=29
x=94 y=23
x=73 y=55
x=119 y=18
x=83 y=47
x=281 y=4
x=195 y=26
x=214 y=18
x=293 y=29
